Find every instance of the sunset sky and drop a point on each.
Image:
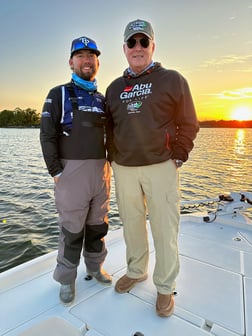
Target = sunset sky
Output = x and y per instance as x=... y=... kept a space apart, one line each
x=207 y=41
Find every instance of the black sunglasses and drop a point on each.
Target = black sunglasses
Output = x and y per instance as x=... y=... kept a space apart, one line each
x=145 y=42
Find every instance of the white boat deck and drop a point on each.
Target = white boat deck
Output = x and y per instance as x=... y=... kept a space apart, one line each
x=214 y=291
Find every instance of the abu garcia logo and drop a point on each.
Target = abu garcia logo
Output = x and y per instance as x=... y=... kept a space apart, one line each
x=137 y=90
x=133 y=107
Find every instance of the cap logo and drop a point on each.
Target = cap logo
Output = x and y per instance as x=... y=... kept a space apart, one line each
x=85 y=41
x=138 y=25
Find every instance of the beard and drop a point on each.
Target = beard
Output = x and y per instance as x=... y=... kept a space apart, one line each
x=87 y=75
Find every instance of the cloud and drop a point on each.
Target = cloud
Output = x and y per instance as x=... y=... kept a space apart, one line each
x=243 y=93
x=227 y=60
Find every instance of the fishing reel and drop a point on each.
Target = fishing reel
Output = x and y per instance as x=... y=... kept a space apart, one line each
x=237 y=197
x=230 y=204
x=234 y=202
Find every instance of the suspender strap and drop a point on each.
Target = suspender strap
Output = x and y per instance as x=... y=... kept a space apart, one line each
x=73 y=97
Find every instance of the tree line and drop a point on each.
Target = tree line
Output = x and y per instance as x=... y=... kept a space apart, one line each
x=226 y=124
x=30 y=118
x=19 y=118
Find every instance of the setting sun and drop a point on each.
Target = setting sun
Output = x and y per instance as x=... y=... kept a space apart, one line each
x=241 y=113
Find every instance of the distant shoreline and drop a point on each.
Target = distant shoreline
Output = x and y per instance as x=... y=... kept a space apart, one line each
x=226 y=124
x=203 y=124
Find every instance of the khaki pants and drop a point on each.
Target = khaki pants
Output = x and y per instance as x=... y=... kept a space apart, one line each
x=156 y=188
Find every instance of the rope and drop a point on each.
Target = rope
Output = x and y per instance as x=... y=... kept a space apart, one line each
x=196 y=205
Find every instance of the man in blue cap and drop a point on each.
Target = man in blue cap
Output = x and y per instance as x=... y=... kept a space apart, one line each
x=72 y=141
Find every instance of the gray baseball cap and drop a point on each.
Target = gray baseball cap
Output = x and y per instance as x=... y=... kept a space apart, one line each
x=136 y=27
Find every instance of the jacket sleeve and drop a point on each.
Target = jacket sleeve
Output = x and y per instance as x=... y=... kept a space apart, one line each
x=187 y=125
x=50 y=131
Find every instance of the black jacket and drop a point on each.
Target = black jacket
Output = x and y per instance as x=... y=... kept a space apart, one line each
x=72 y=126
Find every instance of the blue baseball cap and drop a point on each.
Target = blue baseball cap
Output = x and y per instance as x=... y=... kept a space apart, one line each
x=84 y=43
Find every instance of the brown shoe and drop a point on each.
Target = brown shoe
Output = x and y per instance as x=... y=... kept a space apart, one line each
x=125 y=284
x=164 y=305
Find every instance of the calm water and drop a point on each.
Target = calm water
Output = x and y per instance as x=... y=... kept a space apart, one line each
x=221 y=161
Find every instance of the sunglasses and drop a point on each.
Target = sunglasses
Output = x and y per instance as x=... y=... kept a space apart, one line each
x=131 y=43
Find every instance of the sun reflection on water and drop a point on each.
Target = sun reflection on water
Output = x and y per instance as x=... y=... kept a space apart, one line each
x=239 y=142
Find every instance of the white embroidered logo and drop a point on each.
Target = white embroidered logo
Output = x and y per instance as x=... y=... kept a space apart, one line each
x=85 y=41
x=135 y=91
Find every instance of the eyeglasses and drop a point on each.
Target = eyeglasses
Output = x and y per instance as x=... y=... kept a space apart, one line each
x=131 y=43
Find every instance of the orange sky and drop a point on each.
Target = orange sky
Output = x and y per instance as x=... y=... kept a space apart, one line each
x=226 y=105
